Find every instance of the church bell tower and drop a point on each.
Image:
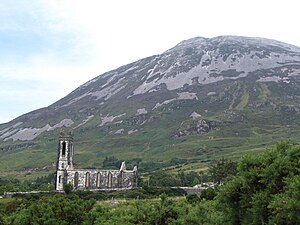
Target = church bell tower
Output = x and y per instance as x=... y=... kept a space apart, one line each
x=64 y=159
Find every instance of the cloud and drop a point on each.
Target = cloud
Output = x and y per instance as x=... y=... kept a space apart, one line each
x=43 y=57
x=48 y=48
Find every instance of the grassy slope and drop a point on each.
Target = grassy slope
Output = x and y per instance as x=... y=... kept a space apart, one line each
x=254 y=122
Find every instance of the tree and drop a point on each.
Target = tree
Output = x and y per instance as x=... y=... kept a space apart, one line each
x=111 y=162
x=222 y=169
x=285 y=207
x=266 y=188
x=68 y=188
x=54 y=210
x=163 y=179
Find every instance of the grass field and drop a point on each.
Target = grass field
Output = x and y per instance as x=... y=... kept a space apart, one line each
x=248 y=118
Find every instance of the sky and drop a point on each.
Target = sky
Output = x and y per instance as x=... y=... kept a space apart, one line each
x=48 y=48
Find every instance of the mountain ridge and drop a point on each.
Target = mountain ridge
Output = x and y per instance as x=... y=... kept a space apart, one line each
x=189 y=101
x=183 y=44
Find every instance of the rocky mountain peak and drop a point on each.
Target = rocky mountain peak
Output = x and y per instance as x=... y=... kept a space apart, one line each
x=179 y=74
x=205 y=96
x=237 y=41
x=189 y=43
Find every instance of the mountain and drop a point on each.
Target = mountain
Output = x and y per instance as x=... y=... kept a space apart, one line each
x=203 y=99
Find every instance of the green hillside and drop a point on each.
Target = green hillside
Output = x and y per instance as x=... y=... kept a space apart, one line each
x=241 y=121
x=202 y=100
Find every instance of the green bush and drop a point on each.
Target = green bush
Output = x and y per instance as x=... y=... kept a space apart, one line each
x=68 y=188
x=208 y=194
x=265 y=188
x=193 y=199
x=53 y=210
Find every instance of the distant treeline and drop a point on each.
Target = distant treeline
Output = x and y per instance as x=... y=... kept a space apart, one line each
x=258 y=189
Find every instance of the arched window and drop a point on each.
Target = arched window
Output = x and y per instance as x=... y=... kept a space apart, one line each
x=87 y=180
x=121 y=179
x=98 y=180
x=109 y=181
x=59 y=179
x=76 y=180
x=63 y=152
x=62 y=165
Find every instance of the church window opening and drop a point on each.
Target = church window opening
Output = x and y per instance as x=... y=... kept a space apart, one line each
x=121 y=179
x=76 y=180
x=59 y=179
x=87 y=180
x=64 y=149
x=109 y=184
x=98 y=180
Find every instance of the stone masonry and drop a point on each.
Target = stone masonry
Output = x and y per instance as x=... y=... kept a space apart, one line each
x=88 y=179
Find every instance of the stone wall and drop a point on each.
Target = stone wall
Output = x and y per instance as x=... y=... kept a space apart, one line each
x=101 y=179
x=88 y=179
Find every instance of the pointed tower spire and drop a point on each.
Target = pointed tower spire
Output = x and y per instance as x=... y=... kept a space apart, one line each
x=123 y=166
x=64 y=158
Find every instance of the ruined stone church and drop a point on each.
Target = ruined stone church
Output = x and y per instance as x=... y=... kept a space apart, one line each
x=88 y=179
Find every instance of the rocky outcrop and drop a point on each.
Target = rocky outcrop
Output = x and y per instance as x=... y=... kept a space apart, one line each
x=198 y=127
x=191 y=89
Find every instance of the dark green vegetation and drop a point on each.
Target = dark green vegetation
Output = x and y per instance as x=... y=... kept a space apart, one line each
x=265 y=189
x=14 y=185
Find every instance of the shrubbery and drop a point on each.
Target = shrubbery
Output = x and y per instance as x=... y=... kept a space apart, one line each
x=259 y=189
x=265 y=190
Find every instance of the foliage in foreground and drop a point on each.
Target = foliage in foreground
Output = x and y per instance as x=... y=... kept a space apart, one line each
x=264 y=190
x=60 y=209
x=53 y=210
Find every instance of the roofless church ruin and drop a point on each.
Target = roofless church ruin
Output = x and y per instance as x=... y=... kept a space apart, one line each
x=88 y=179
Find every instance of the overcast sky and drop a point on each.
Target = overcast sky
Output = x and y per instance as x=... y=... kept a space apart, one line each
x=50 y=47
